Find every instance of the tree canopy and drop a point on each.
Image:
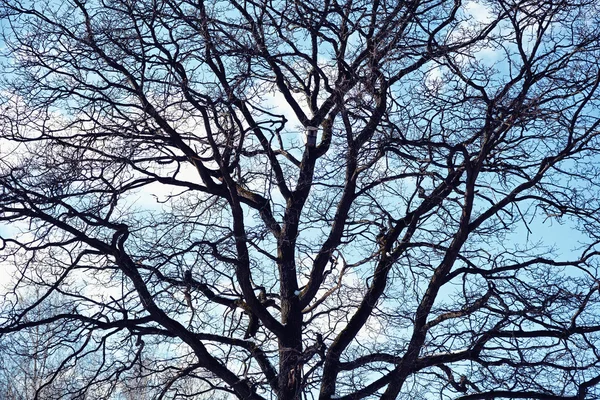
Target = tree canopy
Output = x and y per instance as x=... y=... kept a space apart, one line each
x=172 y=228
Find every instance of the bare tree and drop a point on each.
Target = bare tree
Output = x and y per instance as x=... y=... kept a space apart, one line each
x=305 y=199
x=31 y=356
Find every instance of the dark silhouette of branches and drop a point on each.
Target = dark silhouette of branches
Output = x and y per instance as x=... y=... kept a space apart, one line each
x=174 y=227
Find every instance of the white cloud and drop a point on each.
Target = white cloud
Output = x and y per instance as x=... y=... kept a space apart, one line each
x=478 y=11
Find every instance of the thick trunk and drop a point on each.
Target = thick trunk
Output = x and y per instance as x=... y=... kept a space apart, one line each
x=290 y=352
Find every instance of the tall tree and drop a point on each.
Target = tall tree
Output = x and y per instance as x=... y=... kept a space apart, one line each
x=160 y=173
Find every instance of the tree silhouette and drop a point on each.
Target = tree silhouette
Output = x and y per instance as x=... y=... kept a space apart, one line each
x=319 y=199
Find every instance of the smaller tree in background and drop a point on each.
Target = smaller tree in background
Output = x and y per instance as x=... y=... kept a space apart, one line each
x=30 y=362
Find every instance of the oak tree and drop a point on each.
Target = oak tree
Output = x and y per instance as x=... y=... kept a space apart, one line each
x=291 y=199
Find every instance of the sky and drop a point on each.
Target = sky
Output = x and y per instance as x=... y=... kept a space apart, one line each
x=563 y=236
